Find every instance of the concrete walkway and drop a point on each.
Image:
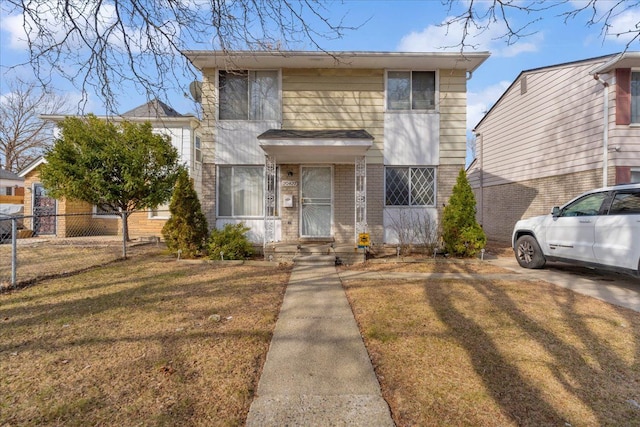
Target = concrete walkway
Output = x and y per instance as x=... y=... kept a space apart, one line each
x=317 y=371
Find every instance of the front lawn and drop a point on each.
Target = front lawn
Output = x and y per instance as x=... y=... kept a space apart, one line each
x=467 y=352
x=148 y=341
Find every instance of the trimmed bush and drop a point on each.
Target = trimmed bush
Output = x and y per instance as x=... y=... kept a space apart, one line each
x=186 y=231
x=230 y=243
x=461 y=233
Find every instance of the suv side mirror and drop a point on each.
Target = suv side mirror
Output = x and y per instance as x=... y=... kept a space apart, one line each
x=555 y=212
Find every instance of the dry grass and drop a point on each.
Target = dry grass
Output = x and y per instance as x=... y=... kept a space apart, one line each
x=134 y=344
x=429 y=265
x=489 y=353
x=39 y=260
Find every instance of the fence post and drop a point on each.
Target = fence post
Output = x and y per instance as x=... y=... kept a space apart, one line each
x=14 y=251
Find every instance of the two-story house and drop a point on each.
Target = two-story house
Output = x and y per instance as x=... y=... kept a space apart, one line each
x=51 y=217
x=555 y=133
x=314 y=146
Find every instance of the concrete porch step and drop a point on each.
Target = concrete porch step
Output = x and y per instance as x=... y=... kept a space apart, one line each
x=313 y=252
x=314 y=260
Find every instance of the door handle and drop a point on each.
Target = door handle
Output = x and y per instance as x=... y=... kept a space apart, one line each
x=585 y=221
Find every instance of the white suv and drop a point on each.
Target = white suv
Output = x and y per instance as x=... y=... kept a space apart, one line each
x=600 y=228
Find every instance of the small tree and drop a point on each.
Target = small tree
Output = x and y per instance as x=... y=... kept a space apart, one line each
x=119 y=168
x=186 y=231
x=462 y=234
x=230 y=243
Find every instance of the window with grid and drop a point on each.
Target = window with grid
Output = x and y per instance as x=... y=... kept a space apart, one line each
x=411 y=90
x=249 y=95
x=410 y=186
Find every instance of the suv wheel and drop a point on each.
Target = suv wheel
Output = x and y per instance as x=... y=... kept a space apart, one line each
x=528 y=252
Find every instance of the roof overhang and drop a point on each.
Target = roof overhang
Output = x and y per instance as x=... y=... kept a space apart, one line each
x=315 y=146
x=468 y=61
x=31 y=166
x=623 y=60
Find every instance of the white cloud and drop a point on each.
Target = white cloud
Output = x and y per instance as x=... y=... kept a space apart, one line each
x=626 y=24
x=91 y=17
x=478 y=103
x=12 y=25
x=436 y=38
x=623 y=18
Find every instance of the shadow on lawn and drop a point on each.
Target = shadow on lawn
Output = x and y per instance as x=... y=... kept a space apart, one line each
x=131 y=288
x=520 y=399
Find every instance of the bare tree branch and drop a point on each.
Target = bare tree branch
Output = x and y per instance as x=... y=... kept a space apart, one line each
x=105 y=45
x=23 y=135
x=518 y=17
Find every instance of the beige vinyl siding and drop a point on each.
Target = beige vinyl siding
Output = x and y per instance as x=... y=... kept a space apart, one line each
x=453 y=117
x=335 y=99
x=625 y=137
x=555 y=128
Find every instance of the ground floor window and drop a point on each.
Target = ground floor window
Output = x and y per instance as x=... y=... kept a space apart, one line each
x=410 y=186
x=635 y=175
x=160 y=212
x=240 y=191
x=104 y=212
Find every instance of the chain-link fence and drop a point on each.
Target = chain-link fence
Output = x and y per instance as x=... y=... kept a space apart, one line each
x=38 y=247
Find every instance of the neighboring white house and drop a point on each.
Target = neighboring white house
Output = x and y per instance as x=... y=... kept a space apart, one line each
x=11 y=184
x=183 y=131
x=314 y=146
x=555 y=133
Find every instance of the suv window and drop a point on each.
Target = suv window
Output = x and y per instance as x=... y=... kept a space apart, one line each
x=586 y=206
x=625 y=203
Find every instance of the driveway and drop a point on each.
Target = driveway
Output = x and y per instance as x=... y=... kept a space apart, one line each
x=614 y=288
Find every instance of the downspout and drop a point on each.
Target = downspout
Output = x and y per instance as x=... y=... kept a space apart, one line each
x=605 y=130
x=479 y=144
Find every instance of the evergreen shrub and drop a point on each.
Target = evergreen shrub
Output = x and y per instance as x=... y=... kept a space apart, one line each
x=186 y=230
x=230 y=243
x=461 y=233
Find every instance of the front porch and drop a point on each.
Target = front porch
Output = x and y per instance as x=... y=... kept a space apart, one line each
x=315 y=185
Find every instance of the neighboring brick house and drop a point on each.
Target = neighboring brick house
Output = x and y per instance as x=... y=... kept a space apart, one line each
x=546 y=139
x=184 y=136
x=315 y=146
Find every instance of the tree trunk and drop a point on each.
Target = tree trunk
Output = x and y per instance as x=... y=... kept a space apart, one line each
x=125 y=232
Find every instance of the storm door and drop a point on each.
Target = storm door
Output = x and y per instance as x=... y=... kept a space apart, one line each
x=44 y=211
x=316 y=201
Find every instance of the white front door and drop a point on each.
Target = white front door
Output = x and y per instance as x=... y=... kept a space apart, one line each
x=316 y=209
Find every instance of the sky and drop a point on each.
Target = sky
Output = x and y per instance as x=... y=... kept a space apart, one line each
x=414 y=25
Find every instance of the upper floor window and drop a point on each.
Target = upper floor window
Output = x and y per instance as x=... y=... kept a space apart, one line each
x=411 y=90
x=249 y=95
x=635 y=97
x=198 y=149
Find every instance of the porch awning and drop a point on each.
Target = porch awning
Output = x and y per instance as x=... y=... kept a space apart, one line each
x=315 y=146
